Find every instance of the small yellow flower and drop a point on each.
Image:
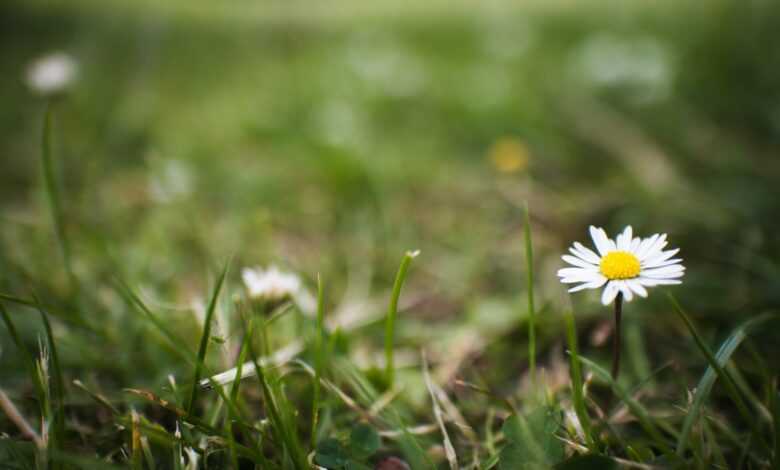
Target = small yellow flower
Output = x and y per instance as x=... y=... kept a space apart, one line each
x=509 y=155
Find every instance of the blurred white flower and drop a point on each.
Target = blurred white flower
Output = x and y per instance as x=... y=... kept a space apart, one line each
x=270 y=284
x=171 y=179
x=52 y=73
x=625 y=265
x=643 y=64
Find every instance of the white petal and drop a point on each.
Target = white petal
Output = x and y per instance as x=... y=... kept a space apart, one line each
x=628 y=296
x=675 y=270
x=637 y=287
x=590 y=285
x=644 y=245
x=624 y=239
x=586 y=278
x=610 y=242
x=578 y=262
x=660 y=257
x=582 y=276
x=600 y=240
x=580 y=287
x=568 y=272
x=586 y=253
x=655 y=248
x=634 y=244
x=668 y=262
x=609 y=294
x=657 y=282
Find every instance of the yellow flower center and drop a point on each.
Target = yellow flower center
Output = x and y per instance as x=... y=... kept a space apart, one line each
x=619 y=265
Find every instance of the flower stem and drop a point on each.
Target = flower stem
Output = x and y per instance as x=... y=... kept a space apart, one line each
x=616 y=336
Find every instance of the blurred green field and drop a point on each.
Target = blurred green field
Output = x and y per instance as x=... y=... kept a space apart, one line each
x=330 y=138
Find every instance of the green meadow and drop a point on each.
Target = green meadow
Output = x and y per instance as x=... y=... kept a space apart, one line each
x=413 y=172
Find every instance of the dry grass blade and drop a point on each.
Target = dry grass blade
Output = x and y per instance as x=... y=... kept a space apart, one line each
x=179 y=412
x=135 y=442
x=96 y=396
x=16 y=417
x=449 y=450
x=279 y=358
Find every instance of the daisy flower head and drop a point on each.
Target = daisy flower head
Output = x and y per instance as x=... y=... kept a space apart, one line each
x=626 y=265
x=52 y=74
x=270 y=284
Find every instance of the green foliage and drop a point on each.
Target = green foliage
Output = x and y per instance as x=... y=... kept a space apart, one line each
x=363 y=444
x=587 y=462
x=363 y=441
x=532 y=440
x=331 y=454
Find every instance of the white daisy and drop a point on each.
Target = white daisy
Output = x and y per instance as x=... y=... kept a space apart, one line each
x=270 y=284
x=52 y=74
x=625 y=265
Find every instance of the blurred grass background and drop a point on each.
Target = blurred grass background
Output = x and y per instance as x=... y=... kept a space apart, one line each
x=331 y=137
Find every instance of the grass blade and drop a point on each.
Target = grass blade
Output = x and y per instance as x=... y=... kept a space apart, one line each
x=242 y=354
x=576 y=380
x=634 y=406
x=716 y=369
x=529 y=264
x=204 y=339
x=70 y=318
x=281 y=424
x=318 y=361
x=97 y=397
x=178 y=346
x=28 y=359
x=58 y=388
x=776 y=421
x=391 y=314
x=52 y=196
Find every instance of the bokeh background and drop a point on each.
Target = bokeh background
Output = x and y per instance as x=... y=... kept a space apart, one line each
x=330 y=137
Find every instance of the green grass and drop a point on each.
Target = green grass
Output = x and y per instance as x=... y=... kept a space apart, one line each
x=328 y=142
x=392 y=313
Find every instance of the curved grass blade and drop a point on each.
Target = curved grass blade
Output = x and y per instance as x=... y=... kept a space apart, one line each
x=391 y=314
x=70 y=318
x=177 y=345
x=576 y=380
x=100 y=399
x=28 y=359
x=204 y=339
x=634 y=406
x=715 y=370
